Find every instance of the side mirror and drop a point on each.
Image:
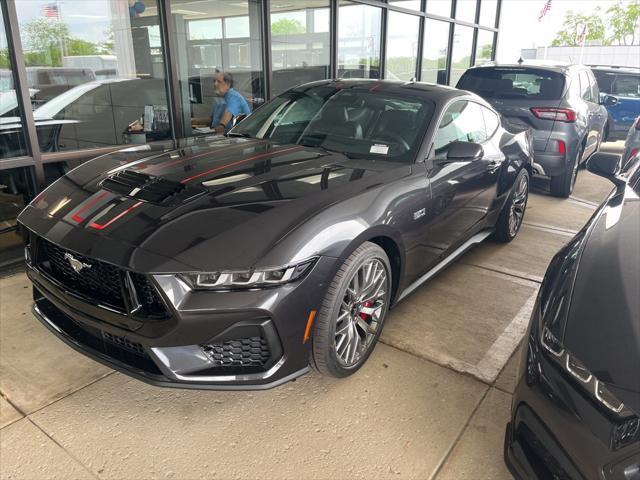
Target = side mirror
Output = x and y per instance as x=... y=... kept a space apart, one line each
x=237 y=119
x=464 y=152
x=607 y=165
x=609 y=101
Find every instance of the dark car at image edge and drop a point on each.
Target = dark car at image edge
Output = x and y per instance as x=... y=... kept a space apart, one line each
x=240 y=261
x=576 y=407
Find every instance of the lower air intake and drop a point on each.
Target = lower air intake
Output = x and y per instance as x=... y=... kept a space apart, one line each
x=242 y=355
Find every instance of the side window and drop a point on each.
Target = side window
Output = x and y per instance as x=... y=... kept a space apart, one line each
x=627 y=86
x=491 y=120
x=462 y=122
x=585 y=86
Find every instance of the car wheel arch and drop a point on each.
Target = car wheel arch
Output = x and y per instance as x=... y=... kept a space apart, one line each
x=391 y=242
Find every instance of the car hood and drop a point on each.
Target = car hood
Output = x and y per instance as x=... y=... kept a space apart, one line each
x=237 y=199
x=603 y=325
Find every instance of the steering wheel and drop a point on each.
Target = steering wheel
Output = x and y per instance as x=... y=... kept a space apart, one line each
x=395 y=137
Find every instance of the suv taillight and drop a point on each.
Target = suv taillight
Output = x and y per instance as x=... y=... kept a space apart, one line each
x=558 y=114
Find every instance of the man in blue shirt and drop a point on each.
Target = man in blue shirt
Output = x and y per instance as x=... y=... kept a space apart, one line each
x=232 y=105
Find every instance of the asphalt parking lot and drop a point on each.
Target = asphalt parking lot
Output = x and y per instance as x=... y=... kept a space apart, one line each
x=432 y=401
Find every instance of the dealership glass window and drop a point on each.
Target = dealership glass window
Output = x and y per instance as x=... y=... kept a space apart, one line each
x=402 y=46
x=461 y=53
x=434 y=51
x=216 y=36
x=12 y=141
x=300 y=43
x=95 y=72
x=359 y=40
x=439 y=7
x=16 y=189
x=466 y=10
x=411 y=4
x=488 y=12
x=484 y=47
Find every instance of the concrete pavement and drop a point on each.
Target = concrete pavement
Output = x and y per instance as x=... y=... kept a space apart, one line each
x=431 y=402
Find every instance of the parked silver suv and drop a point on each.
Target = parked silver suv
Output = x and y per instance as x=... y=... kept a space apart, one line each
x=560 y=103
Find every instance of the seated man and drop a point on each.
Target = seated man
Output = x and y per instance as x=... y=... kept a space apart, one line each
x=222 y=114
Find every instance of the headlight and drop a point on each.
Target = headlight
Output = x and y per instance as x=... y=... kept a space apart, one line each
x=568 y=362
x=246 y=279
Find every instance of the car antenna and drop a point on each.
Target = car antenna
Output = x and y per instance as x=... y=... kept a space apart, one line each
x=520 y=61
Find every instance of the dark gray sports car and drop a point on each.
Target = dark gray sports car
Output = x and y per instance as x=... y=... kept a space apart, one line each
x=241 y=261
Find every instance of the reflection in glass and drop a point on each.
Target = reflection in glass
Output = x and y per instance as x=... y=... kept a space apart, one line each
x=299 y=43
x=461 y=53
x=488 y=12
x=359 y=41
x=439 y=7
x=466 y=10
x=434 y=60
x=402 y=46
x=100 y=62
x=217 y=36
x=484 y=47
x=12 y=141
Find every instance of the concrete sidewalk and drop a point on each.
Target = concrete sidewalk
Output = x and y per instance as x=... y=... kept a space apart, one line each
x=432 y=401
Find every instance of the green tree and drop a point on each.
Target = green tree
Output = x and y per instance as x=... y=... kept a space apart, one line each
x=4 y=58
x=286 y=26
x=43 y=41
x=624 y=20
x=574 y=24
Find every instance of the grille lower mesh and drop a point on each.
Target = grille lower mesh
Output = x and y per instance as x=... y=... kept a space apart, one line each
x=241 y=353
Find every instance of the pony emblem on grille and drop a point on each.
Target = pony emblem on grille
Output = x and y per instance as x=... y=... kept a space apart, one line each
x=76 y=264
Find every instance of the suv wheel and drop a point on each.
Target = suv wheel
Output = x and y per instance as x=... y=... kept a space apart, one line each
x=352 y=313
x=562 y=185
x=510 y=219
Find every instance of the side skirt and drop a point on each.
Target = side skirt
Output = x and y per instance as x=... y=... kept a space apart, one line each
x=477 y=238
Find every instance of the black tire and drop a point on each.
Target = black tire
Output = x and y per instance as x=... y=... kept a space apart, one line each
x=324 y=352
x=504 y=231
x=562 y=185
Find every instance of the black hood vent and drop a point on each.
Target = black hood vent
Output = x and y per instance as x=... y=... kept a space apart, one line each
x=150 y=188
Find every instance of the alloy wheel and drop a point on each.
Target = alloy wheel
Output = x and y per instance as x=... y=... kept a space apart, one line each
x=518 y=205
x=361 y=312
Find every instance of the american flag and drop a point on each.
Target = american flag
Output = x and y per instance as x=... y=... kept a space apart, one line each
x=545 y=10
x=583 y=34
x=50 y=10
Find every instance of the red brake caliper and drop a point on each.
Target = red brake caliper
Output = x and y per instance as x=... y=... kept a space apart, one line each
x=366 y=304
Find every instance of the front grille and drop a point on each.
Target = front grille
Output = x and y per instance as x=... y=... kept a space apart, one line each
x=97 y=280
x=244 y=354
x=100 y=281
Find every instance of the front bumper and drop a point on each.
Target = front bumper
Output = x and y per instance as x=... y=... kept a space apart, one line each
x=557 y=432
x=182 y=351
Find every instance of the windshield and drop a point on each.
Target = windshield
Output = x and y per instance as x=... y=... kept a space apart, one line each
x=526 y=83
x=357 y=122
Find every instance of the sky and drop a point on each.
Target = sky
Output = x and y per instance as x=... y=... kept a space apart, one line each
x=519 y=26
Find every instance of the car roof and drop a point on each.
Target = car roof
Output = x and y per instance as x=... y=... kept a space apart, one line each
x=550 y=65
x=432 y=91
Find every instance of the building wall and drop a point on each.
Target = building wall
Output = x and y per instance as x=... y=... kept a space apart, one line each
x=614 y=55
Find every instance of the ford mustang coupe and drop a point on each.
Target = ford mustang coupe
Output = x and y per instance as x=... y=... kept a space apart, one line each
x=242 y=261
